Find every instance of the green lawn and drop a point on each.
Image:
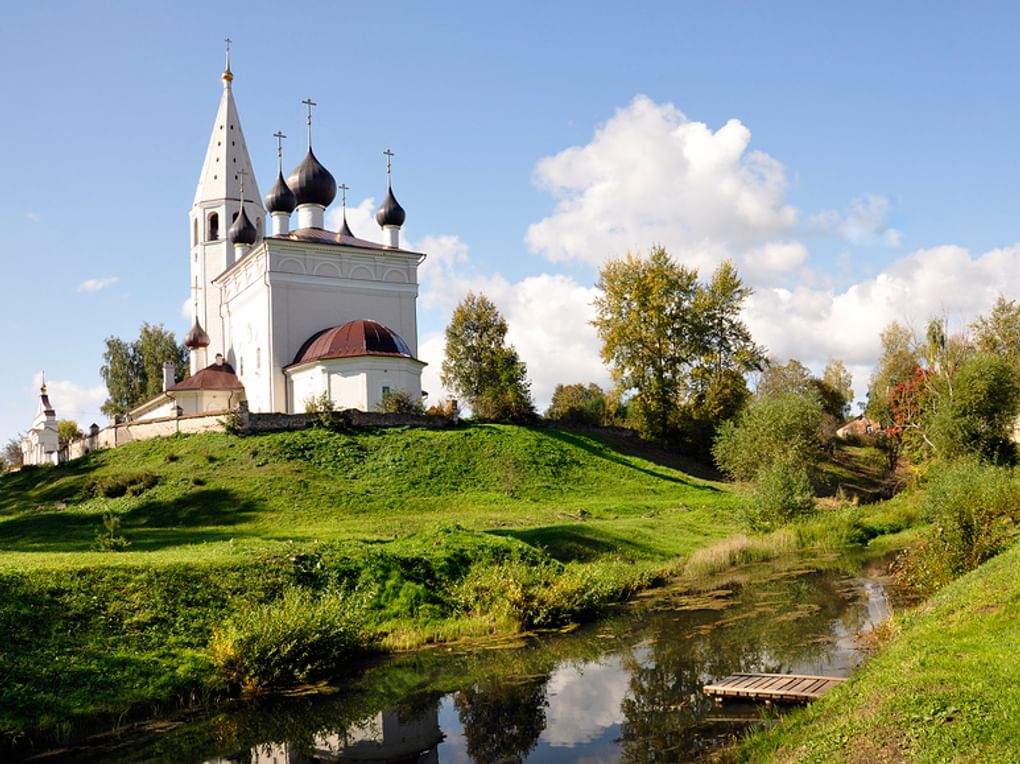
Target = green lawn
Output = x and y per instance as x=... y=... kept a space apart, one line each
x=224 y=491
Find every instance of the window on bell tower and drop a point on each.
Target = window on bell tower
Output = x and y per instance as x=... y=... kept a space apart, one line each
x=214 y=227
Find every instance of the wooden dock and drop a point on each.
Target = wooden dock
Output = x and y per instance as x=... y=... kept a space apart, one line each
x=791 y=688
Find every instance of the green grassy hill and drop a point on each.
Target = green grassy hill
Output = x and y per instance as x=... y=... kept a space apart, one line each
x=409 y=535
x=222 y=491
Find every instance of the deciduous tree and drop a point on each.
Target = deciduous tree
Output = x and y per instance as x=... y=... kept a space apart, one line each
x=67 y=430
x=896 y=365
x=11 y=457
x=668 y=338
x=480 y=368
x=133 y=371
x=999 y=332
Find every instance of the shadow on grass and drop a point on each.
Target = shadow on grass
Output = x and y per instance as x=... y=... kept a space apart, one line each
x=199 y=516
x=33 y=486
x=599 y=446
x=576 y=543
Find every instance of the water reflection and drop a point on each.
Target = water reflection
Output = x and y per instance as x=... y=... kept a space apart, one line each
x=627 y=689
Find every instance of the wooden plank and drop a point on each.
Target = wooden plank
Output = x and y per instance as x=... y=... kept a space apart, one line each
x=792 y=687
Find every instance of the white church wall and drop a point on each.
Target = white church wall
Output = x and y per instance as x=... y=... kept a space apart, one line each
x=348 y=389
x=248 y=318
x=354 y=383
x=303 y=386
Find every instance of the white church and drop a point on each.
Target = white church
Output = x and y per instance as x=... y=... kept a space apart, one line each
x=285 y=315
x=281 y=316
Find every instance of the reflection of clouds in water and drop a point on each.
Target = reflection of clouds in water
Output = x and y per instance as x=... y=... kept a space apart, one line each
x=608 y=758
x=453 y=749
x=583 y=701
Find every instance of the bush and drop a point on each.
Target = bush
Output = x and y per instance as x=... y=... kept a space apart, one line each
x=400 y=402
x=782 y=493
x=578 y=404
x=973 y=509
x=115 y=486
x=783 y=426
x=292 y=639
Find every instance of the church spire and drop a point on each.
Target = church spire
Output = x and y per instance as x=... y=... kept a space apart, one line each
x=226 y=155
x=217 y=205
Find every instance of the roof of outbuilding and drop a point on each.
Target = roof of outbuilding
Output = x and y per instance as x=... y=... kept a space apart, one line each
x=218 y=376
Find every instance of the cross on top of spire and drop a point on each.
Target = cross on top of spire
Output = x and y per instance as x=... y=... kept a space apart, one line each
x=309 y=103
x=389 y=166
x=279 y=149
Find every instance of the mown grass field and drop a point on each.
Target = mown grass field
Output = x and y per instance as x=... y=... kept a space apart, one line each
x=430 y=535
x=946 y=688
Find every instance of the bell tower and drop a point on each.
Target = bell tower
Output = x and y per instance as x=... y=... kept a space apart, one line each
x=216 y=206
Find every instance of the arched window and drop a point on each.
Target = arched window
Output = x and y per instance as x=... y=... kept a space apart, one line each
x=214 y=227
x=194 y=233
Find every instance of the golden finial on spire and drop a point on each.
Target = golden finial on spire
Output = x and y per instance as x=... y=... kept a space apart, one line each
x=42 y=389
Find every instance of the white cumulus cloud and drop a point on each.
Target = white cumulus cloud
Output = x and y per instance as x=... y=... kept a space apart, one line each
x=866 y=223
x=94 y=285
x=815 y=324
x=651 y=176
x=547 y=316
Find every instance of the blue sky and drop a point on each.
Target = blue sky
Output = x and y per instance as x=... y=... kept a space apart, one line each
x=858 y=162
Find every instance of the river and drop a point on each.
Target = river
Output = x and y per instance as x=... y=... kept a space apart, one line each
x=626 y=689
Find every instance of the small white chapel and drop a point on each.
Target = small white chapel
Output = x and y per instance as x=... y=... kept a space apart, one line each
x=288 y=313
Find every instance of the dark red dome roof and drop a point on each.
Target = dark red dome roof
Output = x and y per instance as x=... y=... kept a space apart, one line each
x=353 y=339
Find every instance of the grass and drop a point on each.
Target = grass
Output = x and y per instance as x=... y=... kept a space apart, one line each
x=415 y=536
x=943 y=690
x=402 y=537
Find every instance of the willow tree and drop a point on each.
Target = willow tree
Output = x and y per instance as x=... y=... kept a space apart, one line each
x=672 y=340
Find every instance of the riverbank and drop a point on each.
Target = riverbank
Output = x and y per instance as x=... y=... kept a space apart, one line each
x=944 y=688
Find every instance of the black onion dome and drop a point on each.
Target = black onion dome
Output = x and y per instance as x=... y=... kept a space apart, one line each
x=280 y=198
x=196 y=338
x=390 y=212
x=242 y=231
x=312 y=183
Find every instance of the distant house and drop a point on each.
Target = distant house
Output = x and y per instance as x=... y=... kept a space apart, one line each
x=859 y=427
